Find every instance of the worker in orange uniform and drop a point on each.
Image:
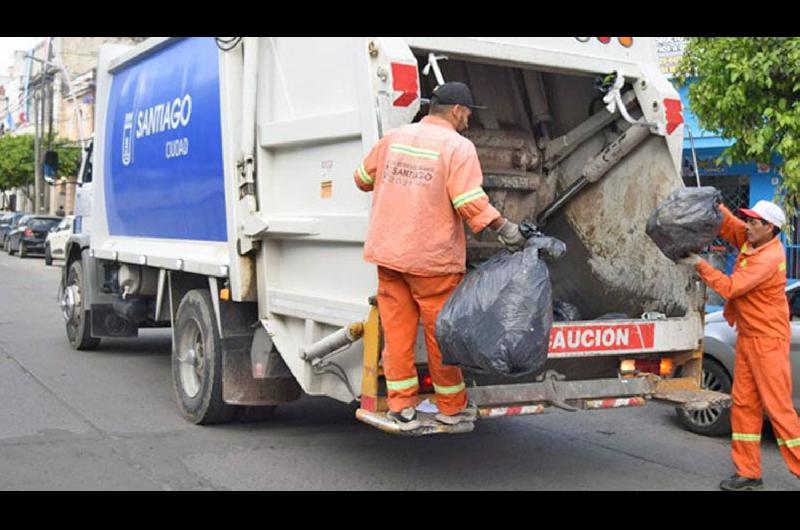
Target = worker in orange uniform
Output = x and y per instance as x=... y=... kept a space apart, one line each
x=757 y=306
x=425 y=179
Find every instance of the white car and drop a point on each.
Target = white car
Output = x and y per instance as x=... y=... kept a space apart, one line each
x=718 y=360
x=56 y=241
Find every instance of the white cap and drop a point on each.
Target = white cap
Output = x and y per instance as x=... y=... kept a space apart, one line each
x=768 y=211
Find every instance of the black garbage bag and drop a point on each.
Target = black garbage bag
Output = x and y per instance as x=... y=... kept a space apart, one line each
x=498 y=319
x=688 y=220
x=565 y=312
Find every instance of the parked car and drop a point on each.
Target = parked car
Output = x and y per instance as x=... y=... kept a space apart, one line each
x=56 y=240
x=29 y=234
x=718 y=360
x=7 y=222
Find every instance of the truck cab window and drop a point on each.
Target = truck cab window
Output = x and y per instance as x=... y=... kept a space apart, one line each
x=86 y=174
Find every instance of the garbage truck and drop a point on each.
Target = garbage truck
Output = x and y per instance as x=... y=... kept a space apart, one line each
x=218 y=200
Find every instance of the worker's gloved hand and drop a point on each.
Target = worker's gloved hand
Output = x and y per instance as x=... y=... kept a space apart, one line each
x=691 y=259
x=510 y=236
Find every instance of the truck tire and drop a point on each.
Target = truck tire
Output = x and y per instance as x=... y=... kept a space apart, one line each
x=713 y=421
x=48 y=257
x=78 y=319
x=197 y=362
x=23 y=252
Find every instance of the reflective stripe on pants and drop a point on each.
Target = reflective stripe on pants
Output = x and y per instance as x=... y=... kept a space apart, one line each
x=402 y=300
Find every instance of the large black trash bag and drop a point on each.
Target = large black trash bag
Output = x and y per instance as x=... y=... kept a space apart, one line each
x=565 y=312
x=688 y=220
x=498 y=319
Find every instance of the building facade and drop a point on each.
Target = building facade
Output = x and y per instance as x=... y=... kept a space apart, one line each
x=66 y=110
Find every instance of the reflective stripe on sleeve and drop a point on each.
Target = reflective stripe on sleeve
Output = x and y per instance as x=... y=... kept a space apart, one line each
x=794 y=442
x=362 y=173
x=742 y=437
x=468 y=197
x=414 y=151
x=402 y=384
x=447 y=390
x=743 y=264
x=782 y=266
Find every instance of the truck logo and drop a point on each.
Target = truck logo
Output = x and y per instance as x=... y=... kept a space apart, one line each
x=127 y=139
x=166 y=116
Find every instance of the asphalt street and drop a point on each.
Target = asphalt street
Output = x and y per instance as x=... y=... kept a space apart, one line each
x=107 y=420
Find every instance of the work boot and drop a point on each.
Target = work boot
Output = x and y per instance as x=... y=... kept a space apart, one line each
x=738 y=483
x=406 y=419
x=467 y=414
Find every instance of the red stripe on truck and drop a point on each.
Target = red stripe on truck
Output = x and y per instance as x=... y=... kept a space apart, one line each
x=672 y=113
x=404 y=79
x=600 y=337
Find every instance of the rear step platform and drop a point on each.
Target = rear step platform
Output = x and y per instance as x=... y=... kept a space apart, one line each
x=428 y=421
x=694 y=399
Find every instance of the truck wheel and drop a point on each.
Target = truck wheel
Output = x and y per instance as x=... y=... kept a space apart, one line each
x=75 y=313
x=22 y=250
x=48 y=257
x=713 y=421
x=197 y=362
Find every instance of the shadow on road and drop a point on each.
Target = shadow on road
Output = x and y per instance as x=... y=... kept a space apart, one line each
x=156 y=343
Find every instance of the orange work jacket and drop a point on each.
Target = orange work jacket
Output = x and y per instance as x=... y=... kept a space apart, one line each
x=755 y=292
x=426 y=179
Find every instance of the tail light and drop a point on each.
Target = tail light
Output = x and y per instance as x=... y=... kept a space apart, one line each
x=28 y=232
x=662 y=367
x=425 y=383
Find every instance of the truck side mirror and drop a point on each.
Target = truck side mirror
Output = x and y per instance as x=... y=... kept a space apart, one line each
x=50 y=167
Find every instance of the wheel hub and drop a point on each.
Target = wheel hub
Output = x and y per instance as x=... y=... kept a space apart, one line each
x=192 y=362
x=70 y=301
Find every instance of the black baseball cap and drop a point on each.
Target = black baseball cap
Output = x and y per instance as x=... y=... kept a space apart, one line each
x=454 y=93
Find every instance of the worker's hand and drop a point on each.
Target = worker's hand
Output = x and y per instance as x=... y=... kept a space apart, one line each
x=691 y=259
x=510 y=236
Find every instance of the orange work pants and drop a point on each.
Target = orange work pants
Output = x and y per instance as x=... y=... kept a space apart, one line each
x=402 y=299
x=763 y=381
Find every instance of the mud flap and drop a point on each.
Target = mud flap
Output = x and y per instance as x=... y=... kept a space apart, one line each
x=106 y=322
x=239 y=387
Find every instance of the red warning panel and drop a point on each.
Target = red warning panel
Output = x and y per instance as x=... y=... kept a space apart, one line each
x=601 y=338
x=672 y=113
x=404 y=79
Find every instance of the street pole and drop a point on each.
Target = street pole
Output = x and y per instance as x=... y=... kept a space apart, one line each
x=46 y=199
x=37 y=186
